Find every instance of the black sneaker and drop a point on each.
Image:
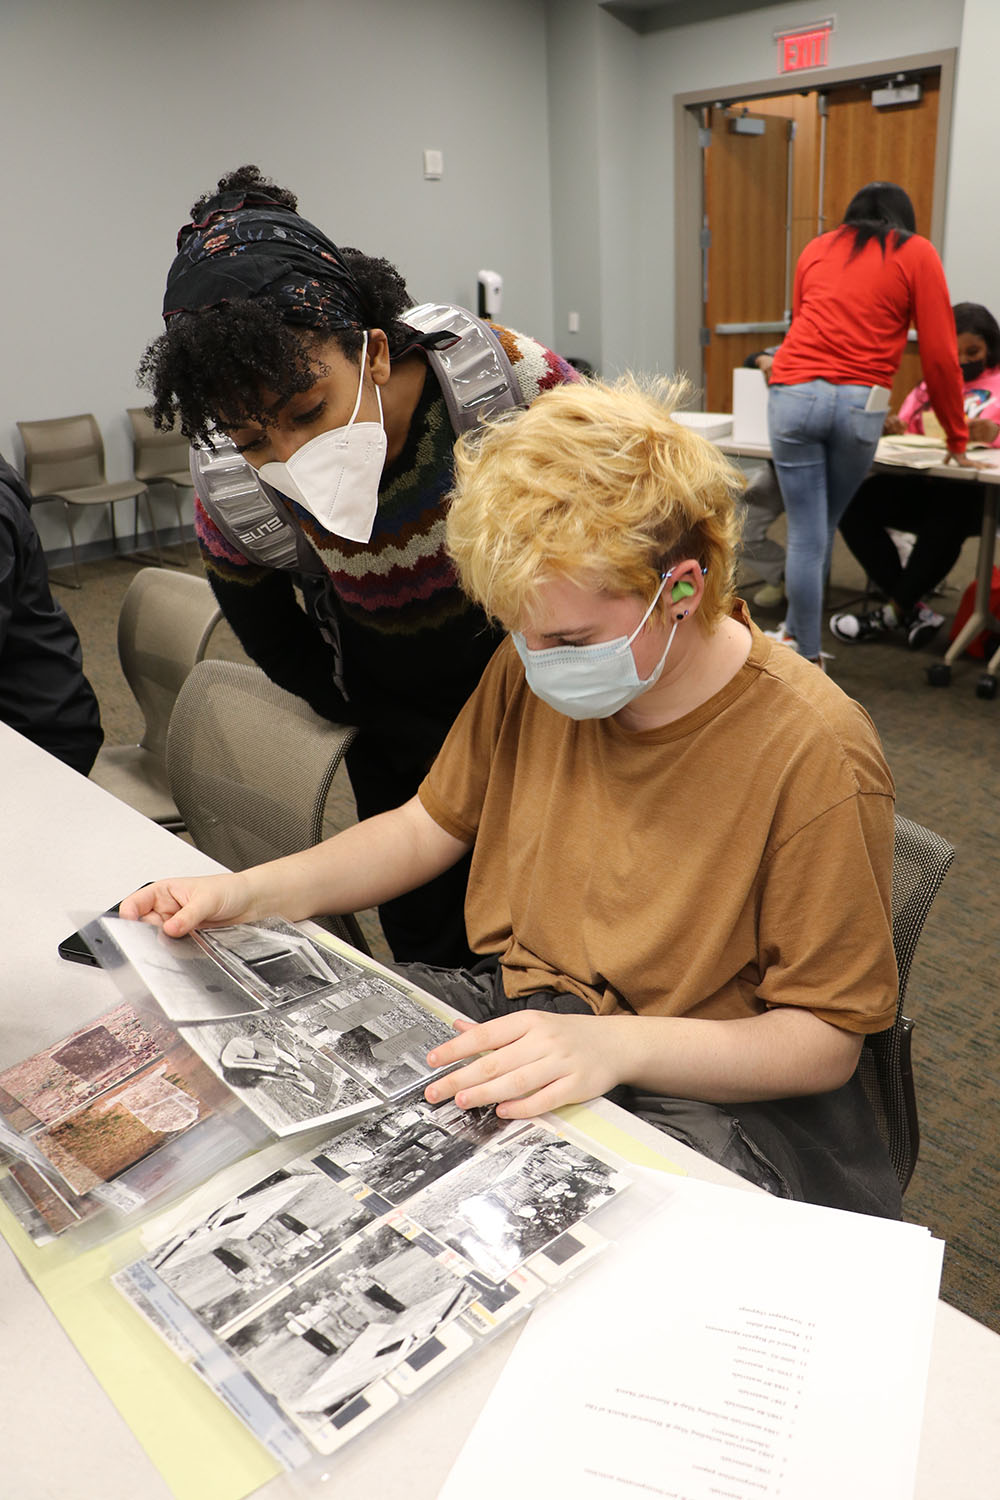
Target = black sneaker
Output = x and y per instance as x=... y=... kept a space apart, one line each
x=867 y=626
x=921 y=625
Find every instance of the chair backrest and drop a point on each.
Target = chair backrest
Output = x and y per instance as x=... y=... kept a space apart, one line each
x=250 y=767
x=921 y=861
x=156 y=453
x=164 y=625
x=62 y=453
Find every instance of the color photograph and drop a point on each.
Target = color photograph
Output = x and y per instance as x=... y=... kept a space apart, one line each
x=58 y=1080
x=106 y=1137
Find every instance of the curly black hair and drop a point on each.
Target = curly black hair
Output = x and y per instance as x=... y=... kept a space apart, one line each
x=248 y=179
x=209 y=368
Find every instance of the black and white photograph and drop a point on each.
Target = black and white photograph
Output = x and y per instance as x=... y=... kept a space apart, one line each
x=300 y=1033
x=514 y=1198
x=186 y=982
x=376 y=1031
x=287 y=1083
x=275 y=962
x=426 y=1362
x=352 y=1321
x=245 y=1251
x=397 y=1154
x=564 y=1256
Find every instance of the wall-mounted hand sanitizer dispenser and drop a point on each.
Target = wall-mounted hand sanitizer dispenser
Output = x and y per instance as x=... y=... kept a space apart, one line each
x=490 y=294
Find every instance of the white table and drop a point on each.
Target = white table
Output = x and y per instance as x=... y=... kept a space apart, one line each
x=72 y=851
x=982 y=617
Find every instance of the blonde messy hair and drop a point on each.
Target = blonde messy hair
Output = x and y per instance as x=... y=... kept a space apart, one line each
x=596 y=483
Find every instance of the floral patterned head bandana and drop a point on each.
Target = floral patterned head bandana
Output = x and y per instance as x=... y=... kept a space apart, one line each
x=248 y=246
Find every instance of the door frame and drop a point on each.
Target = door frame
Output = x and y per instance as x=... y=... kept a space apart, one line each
x=688 y=205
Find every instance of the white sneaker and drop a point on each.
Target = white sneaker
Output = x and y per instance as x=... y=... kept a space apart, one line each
x=921 y=626
x=866 y=625
x=782 y=636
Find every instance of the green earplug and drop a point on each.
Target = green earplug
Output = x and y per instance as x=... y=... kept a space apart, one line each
x=682 y=590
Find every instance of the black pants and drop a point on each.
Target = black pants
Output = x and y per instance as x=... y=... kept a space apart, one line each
x=822 y=1148
x=942 y=512
x=426 y=925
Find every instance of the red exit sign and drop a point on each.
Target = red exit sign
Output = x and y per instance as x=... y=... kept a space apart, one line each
x=804 y=49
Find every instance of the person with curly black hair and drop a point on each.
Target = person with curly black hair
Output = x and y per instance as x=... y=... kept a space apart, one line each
x=299 y=351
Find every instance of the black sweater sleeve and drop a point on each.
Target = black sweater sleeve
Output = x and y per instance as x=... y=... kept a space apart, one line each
x=276 y=633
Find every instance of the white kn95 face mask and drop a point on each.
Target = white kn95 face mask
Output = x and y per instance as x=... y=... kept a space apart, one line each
x=336 y=475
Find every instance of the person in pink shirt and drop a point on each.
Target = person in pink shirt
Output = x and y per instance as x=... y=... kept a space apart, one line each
x=942 y=514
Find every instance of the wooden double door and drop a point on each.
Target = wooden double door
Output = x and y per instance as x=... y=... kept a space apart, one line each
x=777 y=172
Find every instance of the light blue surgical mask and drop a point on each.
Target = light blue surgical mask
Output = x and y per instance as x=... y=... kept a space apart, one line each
x=590 y=682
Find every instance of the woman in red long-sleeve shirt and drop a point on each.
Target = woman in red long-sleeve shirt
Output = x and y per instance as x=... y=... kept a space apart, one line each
x=857 y=289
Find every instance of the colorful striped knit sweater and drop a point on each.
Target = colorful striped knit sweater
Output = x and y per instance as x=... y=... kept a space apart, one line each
x=409 y=637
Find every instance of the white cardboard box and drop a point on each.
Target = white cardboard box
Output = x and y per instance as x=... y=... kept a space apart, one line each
x=749 y=406
x=710 y=424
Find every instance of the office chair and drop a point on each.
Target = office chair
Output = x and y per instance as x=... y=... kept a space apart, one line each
x=160 y=458
x=64 y=460
x=250 y=767
x=921 y=861
x=164 y=625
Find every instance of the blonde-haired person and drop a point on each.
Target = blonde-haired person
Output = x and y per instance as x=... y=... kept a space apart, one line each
x=681 y=833
x=603 y=487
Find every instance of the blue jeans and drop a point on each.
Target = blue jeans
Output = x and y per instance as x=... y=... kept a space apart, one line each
x=822 y=445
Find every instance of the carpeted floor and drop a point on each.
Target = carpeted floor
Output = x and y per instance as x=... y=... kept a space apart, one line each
x=942 y=746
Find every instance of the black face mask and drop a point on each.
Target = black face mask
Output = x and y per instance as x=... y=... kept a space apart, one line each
x=972 y=369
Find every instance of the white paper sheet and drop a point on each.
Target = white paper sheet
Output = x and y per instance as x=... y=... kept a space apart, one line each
x=735 y=1347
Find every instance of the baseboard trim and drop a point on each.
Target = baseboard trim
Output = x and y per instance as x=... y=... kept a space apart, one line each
x=173 y=536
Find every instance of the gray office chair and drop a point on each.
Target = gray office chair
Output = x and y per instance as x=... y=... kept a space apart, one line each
x=164 y=626
x=161 y=458
x=64 y=460
x=921 y=861
x=250 y=768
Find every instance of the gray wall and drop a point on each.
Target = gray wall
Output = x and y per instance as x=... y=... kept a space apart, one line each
x=724 y=53
x=556 y=122
x=612 y=130
x=121 y=112
x=972 y=223
x=594 y=130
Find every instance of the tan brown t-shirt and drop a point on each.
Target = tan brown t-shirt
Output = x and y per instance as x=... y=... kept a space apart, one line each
x=737 y=859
